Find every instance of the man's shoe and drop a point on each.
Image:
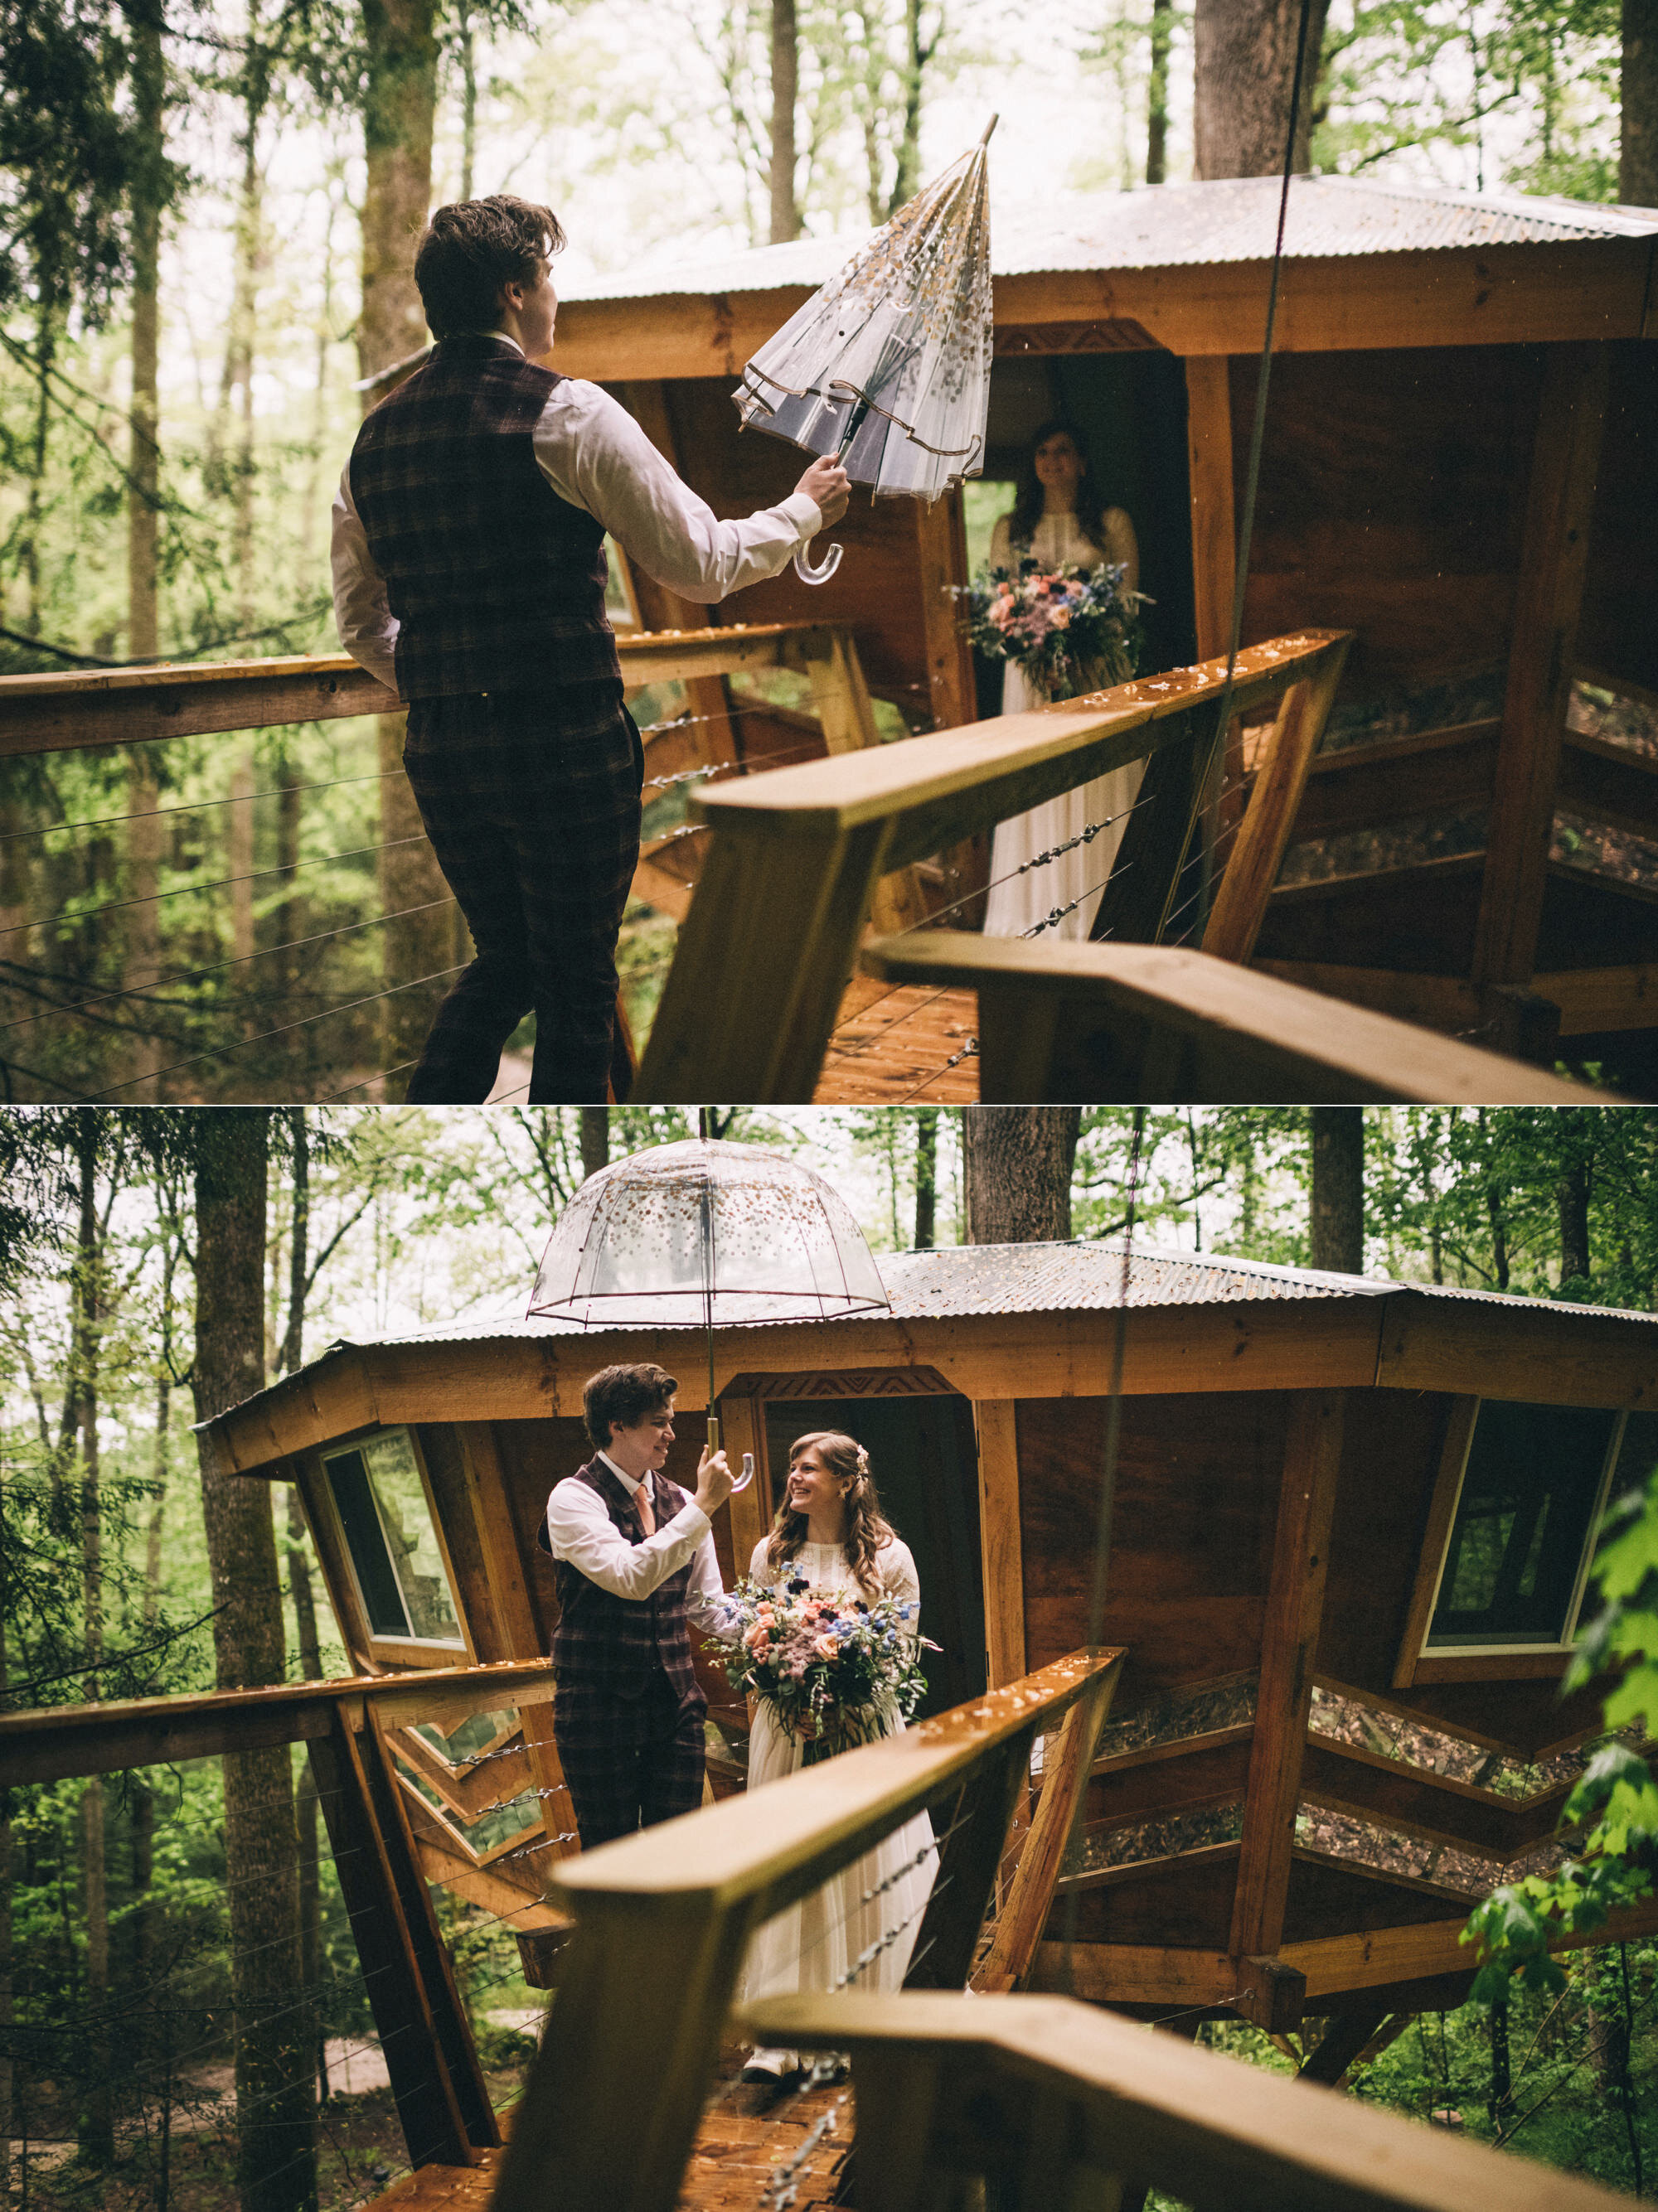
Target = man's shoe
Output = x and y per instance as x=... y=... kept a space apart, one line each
x=771 y=2068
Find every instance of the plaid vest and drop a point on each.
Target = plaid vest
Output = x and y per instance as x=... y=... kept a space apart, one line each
x=616 y=1643
x=498 y=584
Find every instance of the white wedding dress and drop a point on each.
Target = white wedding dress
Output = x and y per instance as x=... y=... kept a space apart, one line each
x=816 y=1944
x=1018 y=903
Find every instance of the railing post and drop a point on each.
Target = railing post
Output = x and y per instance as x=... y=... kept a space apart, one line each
x=1064 y=1786
x=763 y=959
x=436 y=2083
x=611 y=2109
x=967 y=1866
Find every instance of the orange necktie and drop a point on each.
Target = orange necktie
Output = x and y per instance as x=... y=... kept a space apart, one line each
x=642 y=1499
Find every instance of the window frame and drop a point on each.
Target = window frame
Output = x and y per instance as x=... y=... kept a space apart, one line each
x=403 y=1651
x=1421 y=1662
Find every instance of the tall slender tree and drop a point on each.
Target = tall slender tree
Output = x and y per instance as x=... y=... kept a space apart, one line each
x=1338 y=1189
x=1638 y=90
x=276 y=2149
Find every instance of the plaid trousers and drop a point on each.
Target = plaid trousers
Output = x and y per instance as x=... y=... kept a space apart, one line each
x=629 y=1762
x=530 y=800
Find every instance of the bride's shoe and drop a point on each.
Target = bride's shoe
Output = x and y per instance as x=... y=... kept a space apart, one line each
x=771 y=2067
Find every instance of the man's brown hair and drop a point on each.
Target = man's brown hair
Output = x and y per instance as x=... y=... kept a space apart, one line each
x=473 y=247
x=624 y=1396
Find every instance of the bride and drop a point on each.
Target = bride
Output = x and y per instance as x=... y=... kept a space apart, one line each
x=1059 y=520
x=831 y=1530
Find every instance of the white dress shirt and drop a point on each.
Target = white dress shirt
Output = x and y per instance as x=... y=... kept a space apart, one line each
x=580 y=1530
x=593 y=454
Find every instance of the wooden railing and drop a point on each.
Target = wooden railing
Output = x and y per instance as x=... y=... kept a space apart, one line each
x=789 y=876
x=418 y=934
x=1057 y=2103
x=663 y=1920
x=355 y=1730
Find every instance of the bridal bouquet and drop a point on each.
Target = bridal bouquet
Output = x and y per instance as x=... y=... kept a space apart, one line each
x=828 y=1665
x=1068 y=629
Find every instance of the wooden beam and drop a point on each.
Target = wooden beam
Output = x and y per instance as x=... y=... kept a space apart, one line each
x=55 y=1741
x=1075 y=2099
x=743 y=1420
x=1585 y=1359
x=1214 y=527
x=1345 y=2037
x=1400 y=1799
x=1381 y=1955
x=1586 y=289
x=1001 y=1542
x=1024 y=1912
x=969 y=1861
x=1441 y=1510
x=423 y=2034
x=133 y=705
x=841 y=700
x=941 y=561
x=1295 y=1611
x=1361 y=786
x=1132 y=1023
x=1553 y=556
x=1258 y=847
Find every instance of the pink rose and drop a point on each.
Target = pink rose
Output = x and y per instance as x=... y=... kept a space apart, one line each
x=757 y=1637
x=824 y=1646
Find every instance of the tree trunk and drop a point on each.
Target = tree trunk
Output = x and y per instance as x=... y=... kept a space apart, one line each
x=143 y=490
x=785 y=85
x=926 y=1175
x=1244 y=67
x=276 y=2157
x=468 y=100
x=1162 y=23
x=98 y=2117
x=1637 y=92
x=907 y=180
x=401 y=102
x=1573 y=1194
x=1018 y=1162
x=595 y=1139
x=1338 y=1223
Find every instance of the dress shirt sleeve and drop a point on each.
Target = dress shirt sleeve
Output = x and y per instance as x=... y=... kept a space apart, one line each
x=593 y=454
x=705 y=1593
x=581 y=1531
x=367 y=628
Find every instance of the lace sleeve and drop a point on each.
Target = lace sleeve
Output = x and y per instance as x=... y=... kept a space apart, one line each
x=1122 y=548
x=899 y=1579
x=1001 y=543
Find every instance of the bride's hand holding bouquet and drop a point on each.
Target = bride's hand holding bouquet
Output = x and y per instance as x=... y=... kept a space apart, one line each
x=831 y=1668
x=1068 y=629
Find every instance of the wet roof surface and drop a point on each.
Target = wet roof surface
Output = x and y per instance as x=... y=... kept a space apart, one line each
x=1171 y=226
x=958 y=1280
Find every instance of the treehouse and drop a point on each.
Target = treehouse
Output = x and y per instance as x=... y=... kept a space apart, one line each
x=1349 y=1557
x=1461 y=458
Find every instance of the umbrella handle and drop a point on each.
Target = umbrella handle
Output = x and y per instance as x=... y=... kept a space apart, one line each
x=825 y=568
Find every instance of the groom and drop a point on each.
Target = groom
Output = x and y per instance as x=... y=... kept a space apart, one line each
x=469 y=575
x=634 y=1559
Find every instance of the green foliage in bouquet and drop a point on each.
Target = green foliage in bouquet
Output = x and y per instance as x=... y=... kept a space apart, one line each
x=1068 y=629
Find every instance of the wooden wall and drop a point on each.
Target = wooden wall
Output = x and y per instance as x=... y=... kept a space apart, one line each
x=1392 y=492
x=1190 y=1556
x=1618 y=632
x=900 y=557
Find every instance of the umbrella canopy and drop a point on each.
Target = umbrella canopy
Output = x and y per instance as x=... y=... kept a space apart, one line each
x=709 y=1233
x=888 y=365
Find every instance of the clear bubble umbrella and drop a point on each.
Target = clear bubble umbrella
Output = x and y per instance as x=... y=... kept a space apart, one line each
x=709 y=1232
x=888 y=366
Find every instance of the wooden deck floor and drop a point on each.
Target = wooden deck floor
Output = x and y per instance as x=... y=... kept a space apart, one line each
x=748 y=2137
x=891 y=1044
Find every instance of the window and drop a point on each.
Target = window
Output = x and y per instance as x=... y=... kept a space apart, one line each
x=389 y=1532
x=1534 y=1489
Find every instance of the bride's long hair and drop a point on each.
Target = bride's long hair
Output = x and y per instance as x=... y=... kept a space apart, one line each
x=1091 y=501
x=867 y=1529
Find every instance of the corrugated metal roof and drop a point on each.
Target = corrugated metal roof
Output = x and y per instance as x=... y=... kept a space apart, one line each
x=1169 y=226
x=955 y=1281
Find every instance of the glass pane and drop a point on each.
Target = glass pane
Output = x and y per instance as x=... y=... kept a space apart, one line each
x=411 y=1539
x=349 y=1480
x=1523 y=1523
x=468 y=1737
